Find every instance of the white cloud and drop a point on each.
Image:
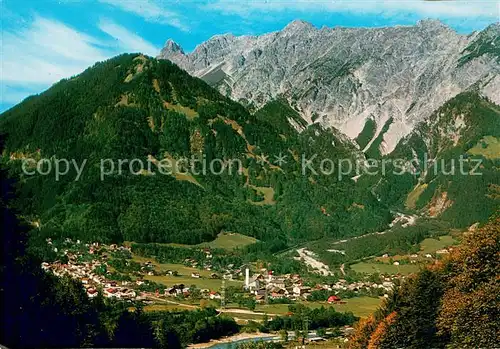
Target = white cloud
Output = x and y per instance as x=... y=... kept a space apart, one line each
x=434 y=9
x=126 y=39
x=150 y=10
x=46 y=51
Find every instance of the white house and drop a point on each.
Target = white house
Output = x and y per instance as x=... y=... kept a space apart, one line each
x=254 y=284
x=215 y=295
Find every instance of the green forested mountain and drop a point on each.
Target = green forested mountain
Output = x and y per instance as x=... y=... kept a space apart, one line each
x=135 y=107
x=451 y=304
x=454 y=160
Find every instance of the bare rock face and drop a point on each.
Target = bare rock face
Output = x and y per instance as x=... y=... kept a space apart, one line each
x=341 y=77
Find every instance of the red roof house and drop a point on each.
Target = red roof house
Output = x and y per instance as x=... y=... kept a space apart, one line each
x=333 y=299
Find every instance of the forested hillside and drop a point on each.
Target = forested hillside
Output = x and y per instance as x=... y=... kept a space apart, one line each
x=135 y=107
x=453 y=160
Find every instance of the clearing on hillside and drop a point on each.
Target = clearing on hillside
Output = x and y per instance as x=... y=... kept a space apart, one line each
x=381 y=268
x=268 y=194
x=230 y=241
x=489 y=147
x=432 y=245
x=411 y=200
x=227 y=241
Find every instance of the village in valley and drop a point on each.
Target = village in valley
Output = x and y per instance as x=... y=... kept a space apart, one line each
x=249 y=293
x=92 y=264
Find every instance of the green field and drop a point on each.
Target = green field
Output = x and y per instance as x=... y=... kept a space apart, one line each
x=489 y=147
x=166 y=307
x=187 y=280
x=273 y=308
x=184 y=277
x=227 y=241
x=370 y=268
x=268 y=194
x=426 y=246
x=359 y=306
x=246 y=316
x=230 y=241
x=432 y=245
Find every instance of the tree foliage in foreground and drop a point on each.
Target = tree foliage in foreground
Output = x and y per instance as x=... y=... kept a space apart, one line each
x=453 y=304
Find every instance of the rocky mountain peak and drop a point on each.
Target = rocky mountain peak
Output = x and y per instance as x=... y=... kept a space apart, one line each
x=216 y=42
x=172 y=46
x=298 y=25
x=493 y=30
x=171 y=49
x=431 y=24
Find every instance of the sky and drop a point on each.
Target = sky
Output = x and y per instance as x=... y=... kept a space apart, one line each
x=43 y=41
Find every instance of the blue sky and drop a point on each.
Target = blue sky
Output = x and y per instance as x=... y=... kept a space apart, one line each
x=44 y=41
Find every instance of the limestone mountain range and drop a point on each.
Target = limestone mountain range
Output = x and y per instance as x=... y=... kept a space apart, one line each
x=342 y=77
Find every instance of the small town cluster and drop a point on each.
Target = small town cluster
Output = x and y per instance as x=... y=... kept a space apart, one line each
x=292 y=287
x=90 y=264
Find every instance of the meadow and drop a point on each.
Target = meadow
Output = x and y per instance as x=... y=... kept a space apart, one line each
x=187 y=280
x=382 y=268
x=184 y=275
x=432 y=245
x=227 y=241
x=268 y=194
x=359 y=306
x=489 y=147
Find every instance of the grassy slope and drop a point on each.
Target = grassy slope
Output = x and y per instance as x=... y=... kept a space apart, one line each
x=370 y=268
x=489 y=147
x=413 y=196
x=135 y=107
x=432 y=245
x=227 y=241
x=360 y=306
x=268 y=194
x=184 y=277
